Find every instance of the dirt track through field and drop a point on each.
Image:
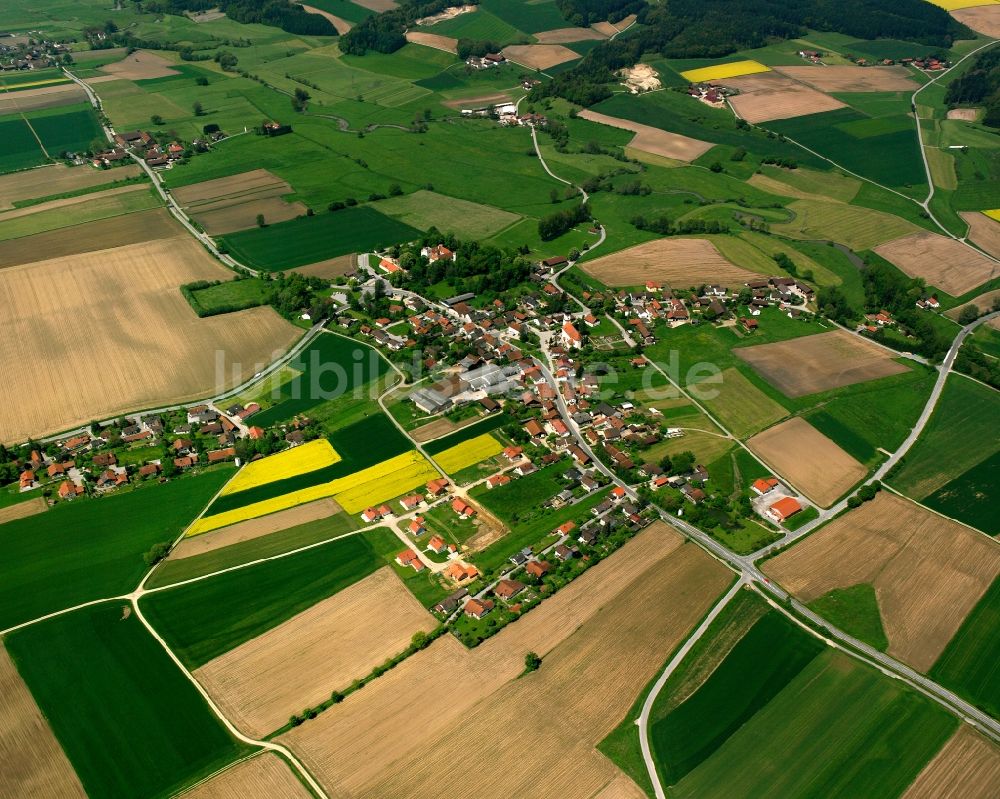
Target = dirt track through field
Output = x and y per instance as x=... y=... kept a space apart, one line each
x=447 y=43
x=141 y=65
x=928 y=572
x=375 y=741
x=263 y=777
x=115 y=334
x=770 y=96
x=967 y=767
x=56 y=179
x=255 y=528
x=941 y=261
x=653 y=140
x=23 y=509
x=984 y=231
x=810 y=364
x=984 y=19
x=850 y=78
x=539 y=56
x=34 y=765
x=810 y=460
x=679 y=263
x=298 y=663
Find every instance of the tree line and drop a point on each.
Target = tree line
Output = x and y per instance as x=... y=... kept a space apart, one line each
x=284 y=14
x=979 y=86
x=385 y=32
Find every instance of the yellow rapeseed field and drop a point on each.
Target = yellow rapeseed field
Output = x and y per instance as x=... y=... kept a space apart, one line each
x=353 y=493
x=292 y=462
x=994 y=214
x=954 y=5
x=467 y=453
x=35 y=83
x=721 y=71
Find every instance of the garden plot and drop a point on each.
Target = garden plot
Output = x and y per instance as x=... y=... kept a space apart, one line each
x=941 y=261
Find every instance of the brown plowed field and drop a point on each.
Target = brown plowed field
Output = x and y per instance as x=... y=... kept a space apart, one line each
x=985 y=19
x=141 y=65
x=567 y=35
x=481 y=101
x=653 y=140
x=549 y=721
x=812 y=462
x=849 y=78
x=23 y=509
x=376 y=5
x=115 y=334
x=941 y=261
x=964 y=114
x=56 y=179
x=119 y=231
x=330 y=268
x=342 y=25
x=18 y=213
x=677 y=262
x=266 y=776
x=436 y=429
x=34 y=765
x=811 y=364
x=983 y=302
x=226 y=205
x=928 y=572
x=42 y=97
x=984 y=231
x=255 y=528
x=967 y=767
x=611 y=28
x=435 y=40
x=539 y=56
x=770 y=96
x=298 y=663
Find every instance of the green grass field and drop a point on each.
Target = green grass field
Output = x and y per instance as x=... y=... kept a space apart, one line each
x=742 y=407
x=128 y=719
x=972 y=496
x=90 y=210
x=480 y=25
x=970 y=664
x=20 y=148
x=92 y=548
x=858 y=228
x=231 y=295
x=855 y=611
x=60 y=129
x=307 y=240
x=425 y=209
x=202 y=620
x=530 y=16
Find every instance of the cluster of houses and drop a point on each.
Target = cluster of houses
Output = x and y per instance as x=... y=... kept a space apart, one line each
x=146 y=147
x=23 y=53
x=926 y=63
x=487 y=61
x=773 y=501
x=712 y=94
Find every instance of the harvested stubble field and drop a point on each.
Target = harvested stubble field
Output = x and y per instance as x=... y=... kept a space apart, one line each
x=265 y=776
x=677 y=262
x=80 y=210
x=330 y=268
x=105 y=322
x=22 y=509
x=567 y=35
x=56 y=179
x=742 y=406
x=983 y=303
x=967 y=767
x=653 y=140
x=33 y=762
x=858 y=228
x=807 y=184
x=375 y=745
x=810 y=364
x=41 y=97
x=984 y=231
x=770 y=96
x=850 y=78
x=255 y=528
x=141 y=65
x=928 y=572
x=539 y=56
x=435 y=40
x=812 y=462
x=611 y=28
x=941 y=261
x=984 y=19
x=226 y=205
x=298 y=663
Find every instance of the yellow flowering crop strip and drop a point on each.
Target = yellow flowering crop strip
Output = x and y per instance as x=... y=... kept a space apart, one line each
x=292 y=462
x=353 y=493
x=33 y=84
x=722 y=71
x=468 y=453
x=954 y=5
x=994 y=214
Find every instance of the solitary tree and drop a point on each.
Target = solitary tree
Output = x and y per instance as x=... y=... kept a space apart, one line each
x=531 y=662
x=156 y=119
x=199 y=109
x=260 y=220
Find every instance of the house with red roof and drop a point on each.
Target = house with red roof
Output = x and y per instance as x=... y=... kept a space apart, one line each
x=783 y=509
x=570 y=336
x=763 y=485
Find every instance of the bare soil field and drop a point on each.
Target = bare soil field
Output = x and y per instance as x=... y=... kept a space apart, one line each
x=812 y=462
x=104 y=323
x=964 y=114
x=557 y=728
x=928 y=572
x=539 y=56
x=17 y=213
x=141 y=65
x=640 y=78
x=653 y=140
x=56 y=179
x=479 y=101
x=447 y=43
x=770 y=96
x=967 y=767
x=254 y=528
x=985 y=19
x=983 y=302
x=850 y=78
x=298 y=663
x=33 y=762
x=330 y=268
x=342 y=25
x=374 y=742
x=266 y=776
x=941 y=261
x=446 y=14
x=377 y=5
x=226 y=205
x=567 y=35
x=23 y=509
x=810 y=364
x=677 y=262
x=42 y=97
x=206 y=16
x=984 y=231
x=431 y=430
x=120 y=231
x=611 y=28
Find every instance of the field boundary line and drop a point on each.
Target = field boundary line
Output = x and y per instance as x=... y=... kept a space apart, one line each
x=901 y=495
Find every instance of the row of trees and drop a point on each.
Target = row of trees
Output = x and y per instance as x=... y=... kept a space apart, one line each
x=284 y=14
x=555 y=224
